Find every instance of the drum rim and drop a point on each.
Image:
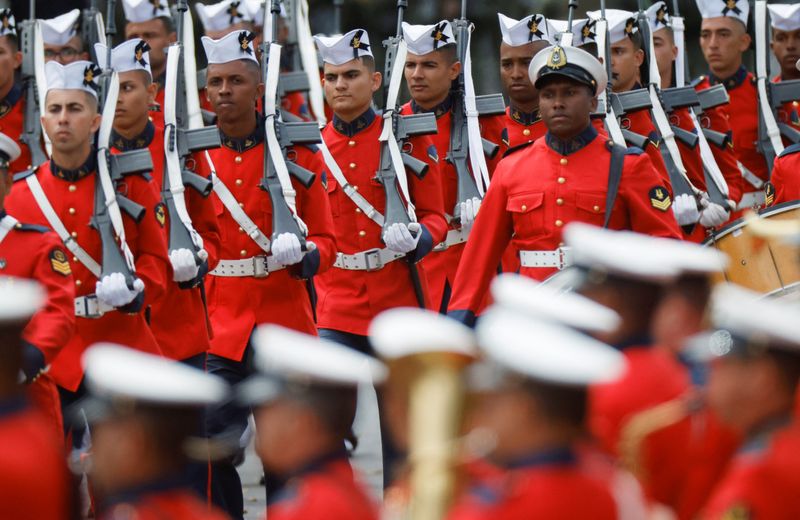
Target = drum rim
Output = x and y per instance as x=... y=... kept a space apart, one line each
x=725 y=230
x=779 y=208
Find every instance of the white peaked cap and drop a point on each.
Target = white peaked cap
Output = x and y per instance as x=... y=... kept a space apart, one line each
x=338 y=50
x=621 y=24
x=19 y=298
x=517 y=293
x=784 y=17
x=292 y=355
x=9 y=147
x=532 y=28
x=59 y=30
x=402 y=332
x=129 y=55
x=143 y=10
x=546 y=352
x=690 y=258
x=622 y=253
x=569 y=61
x=114 y=371
x=658 y=16
x=220 y=16
x=738 y=9
x=8 y=24
x=237 y=45
x=424 y=39
x=78 y=75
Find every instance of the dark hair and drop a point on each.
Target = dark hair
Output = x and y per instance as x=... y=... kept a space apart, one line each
x=12 y=41
x=565 y=405
x=788 y=365
x=369 y=63
x=169 y=25
x=169 y=428
x=449 y=53
x=336 y=408
x=636 y=38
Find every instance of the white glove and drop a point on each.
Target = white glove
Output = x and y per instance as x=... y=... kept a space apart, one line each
x=184 y=268
x=398 y=237
x=685 y=209
x=469 y=211
x=286 y=249
x=112 y=290
x=713 y=214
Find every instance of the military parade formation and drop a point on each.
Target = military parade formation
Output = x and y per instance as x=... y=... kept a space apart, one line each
x=575 y=299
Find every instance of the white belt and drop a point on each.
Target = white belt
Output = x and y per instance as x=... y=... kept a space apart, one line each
x=90 y=307
x=454 y=237
x=370 y=260
x=559 y=258
x=752 y=199
x=255 y=266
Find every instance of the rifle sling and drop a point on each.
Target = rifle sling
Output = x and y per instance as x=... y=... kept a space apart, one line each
x=614 y=178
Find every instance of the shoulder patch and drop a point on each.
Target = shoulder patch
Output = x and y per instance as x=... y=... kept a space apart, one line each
x=31 y=227
x=433 y=154
x=59 y=262
x=659 y=198
x=769 y=194
x=324 y=180
x=22 y=175
x=789 y=150
x=516 y=148
x=633 y=150
x=161 y=214
x=654 y=138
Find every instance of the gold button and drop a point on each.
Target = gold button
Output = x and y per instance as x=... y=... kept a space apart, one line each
x=239 y=182
x=351 y=143
x=241 y=230
x=596 y=209
x=72 y=211
x=564 y=161
x=562 y=180
x=560 y=201
x=559 y=223
x=362 y=233
x=358 y=210
x=352 y=166
x=238 y=159
x=74 y=259
x=795 y=103
x=241 y=205
x=243 y=252
x=78 y=283
x=524 y=207
x=73 y=188
x=526 y=132
x=74 y=234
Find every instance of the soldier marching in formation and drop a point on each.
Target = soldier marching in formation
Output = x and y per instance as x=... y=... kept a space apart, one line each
x=578 y=301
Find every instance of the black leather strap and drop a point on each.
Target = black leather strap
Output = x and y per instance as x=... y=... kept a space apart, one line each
x=614 y=177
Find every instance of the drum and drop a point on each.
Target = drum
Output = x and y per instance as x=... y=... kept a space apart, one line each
x=785 y=255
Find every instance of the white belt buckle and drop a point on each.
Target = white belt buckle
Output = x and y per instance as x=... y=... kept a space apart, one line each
x=260 y=267
x=372 y=260
x=564 y=257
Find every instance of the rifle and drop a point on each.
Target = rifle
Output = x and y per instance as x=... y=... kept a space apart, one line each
x=467 y=147
x=107 y=219
x=32 y=49
x=279 y=138
x=180 y=142
x=92 y=30
x=304 y=56
x=337 y=16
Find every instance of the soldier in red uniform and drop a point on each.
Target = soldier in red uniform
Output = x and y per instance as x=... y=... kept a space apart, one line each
x=785 y=44
x=34 y=481
x=532 y=400
x=723 y=40
x=62 y=39
x=571 y=184
x=304 y=399
x=784 y=185
x=144 y=410
x=432 y=65
x=754 y=357
x=522 y=39
x=151 y=21
x=256 y=280
x=180 y=313
x=36 y=253
x=12 y=105
x=61 y=194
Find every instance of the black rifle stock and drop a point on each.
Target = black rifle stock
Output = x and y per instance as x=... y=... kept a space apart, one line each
x=31 y=123
x=90 y=32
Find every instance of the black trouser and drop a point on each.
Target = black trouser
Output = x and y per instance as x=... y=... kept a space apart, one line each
x=361 y=344
x=73 y=423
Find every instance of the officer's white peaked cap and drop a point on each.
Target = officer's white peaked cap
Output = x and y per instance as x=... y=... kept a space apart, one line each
x=9 y=147
x=402 y=332
x=19 y=298
x=338 y=50
x=571 y=62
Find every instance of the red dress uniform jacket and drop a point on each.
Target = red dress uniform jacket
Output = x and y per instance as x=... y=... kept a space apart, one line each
x=762 y=480
x=295 y=103
x=36 y=253
x=441 y=266
x=523 y=127
x=34 y=481
x=328 y=490
x=545 y=485
x=529 y=211
x=12 y=114
x=789 y=113
x=640 y=123
x=237 y=304
x=178 y=319
x=157 y=501
x=348 y=300
x=742 y=114
x=785 y=177
x=72 y=197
